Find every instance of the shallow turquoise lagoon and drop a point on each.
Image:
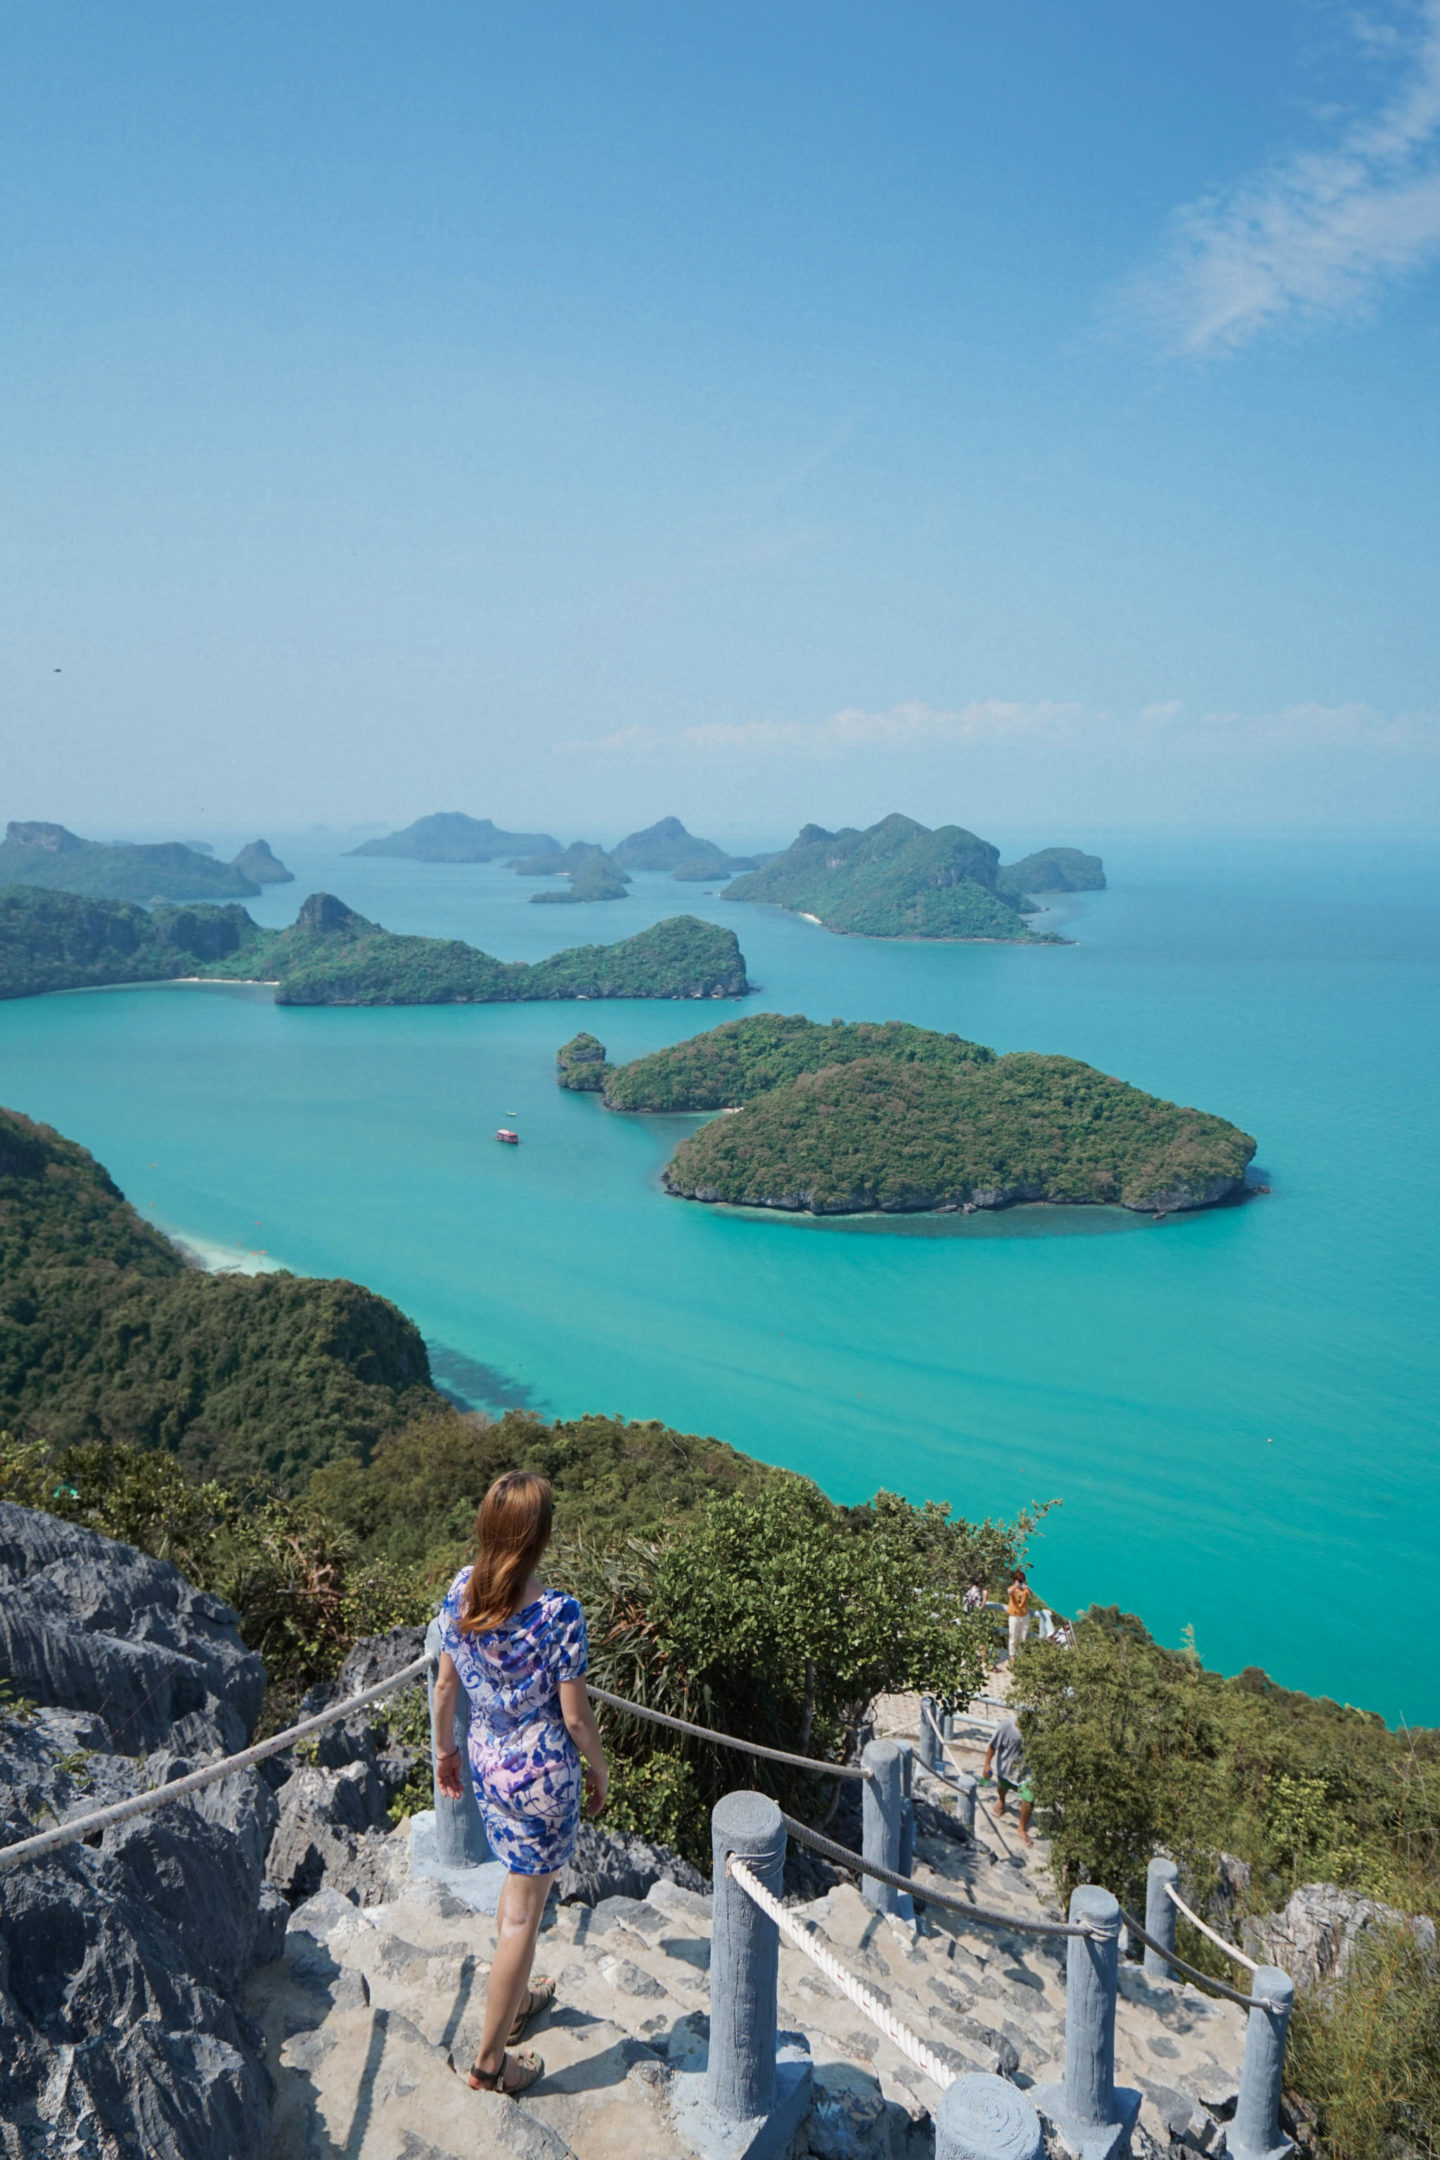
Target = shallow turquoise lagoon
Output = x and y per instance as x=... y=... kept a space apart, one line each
x=1238 y=1410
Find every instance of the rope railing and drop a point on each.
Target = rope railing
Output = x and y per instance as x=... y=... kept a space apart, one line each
x=84 y=1826
x=1193 y=1972
x=925 y=2059
x=923 y=1894
x=728 y=1740
x=1219 y=1941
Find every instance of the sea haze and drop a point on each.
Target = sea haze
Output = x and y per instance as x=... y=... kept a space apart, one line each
x=1236 y=1408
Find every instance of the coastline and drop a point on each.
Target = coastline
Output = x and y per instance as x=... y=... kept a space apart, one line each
x=213 y=1258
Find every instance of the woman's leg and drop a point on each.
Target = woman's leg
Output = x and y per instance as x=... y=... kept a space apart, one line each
x=522 y=1906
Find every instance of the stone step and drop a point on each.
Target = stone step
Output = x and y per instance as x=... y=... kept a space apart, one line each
x=373 y=2016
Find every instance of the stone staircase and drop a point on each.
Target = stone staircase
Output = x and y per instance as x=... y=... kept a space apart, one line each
x=373 y=2014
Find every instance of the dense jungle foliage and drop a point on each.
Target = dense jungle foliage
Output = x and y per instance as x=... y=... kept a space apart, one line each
x=1135 y=1749
x=104 y=1330
x=894 y=1132
x=332 y=956
x=896 y=879
x=733 y=1064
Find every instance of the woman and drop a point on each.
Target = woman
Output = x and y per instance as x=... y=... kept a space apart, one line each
x=519 y=1651
x=1017 y=1609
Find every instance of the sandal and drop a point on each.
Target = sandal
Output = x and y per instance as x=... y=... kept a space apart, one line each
x=530 y=2066
x=539 y=1997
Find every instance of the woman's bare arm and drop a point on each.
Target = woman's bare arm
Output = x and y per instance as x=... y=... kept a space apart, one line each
x=580 y=1723
x=442 y=1728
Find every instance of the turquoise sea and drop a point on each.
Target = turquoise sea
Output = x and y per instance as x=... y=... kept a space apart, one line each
x=1237 y=1409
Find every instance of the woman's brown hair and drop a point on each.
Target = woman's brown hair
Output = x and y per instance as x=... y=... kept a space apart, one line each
x=512 y=1529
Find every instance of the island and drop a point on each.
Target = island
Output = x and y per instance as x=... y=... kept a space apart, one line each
x=859 y=1117
x=591 y=872
x=48 y=855
x=450 y=836
x=331 y=955
x=666 y=845
x=595 y=878
x=257 y=861
x=580 y=1064
x=1053 y=869
x=897 y=879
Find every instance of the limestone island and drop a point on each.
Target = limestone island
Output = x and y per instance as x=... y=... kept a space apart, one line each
x=592 y=874
x=857 y=1118
x=332 y=956
x=450 y=836
x=666 y=845
x=899 y=879
x=50 y=856
x=258 y=861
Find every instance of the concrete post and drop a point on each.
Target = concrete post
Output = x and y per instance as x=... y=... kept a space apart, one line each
x=1255 y=2133
x=947 y=1726
x=967 y=1792
x=981 y=2117
x=881 y=1811
x=744 y=1959
x=1160 y=1914
x=1090 y=2111
x=929 y=1745
x=907 y=1807
x=460 y=1839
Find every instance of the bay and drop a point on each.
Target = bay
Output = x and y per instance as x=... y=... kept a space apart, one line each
x=1237 y=1409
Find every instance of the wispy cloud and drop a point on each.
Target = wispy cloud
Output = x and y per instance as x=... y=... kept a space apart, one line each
x=902 y=726
x=1038 y=725
x=1319 y=233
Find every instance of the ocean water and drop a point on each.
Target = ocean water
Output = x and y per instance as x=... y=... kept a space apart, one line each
x=1237 y=1409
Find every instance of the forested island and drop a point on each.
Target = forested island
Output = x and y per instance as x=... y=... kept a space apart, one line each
x=666 y=845
x=855 y=1118
x=449 y=836
x=900 y=879
x=331 y=955
x=59 y=860
x=591 y=874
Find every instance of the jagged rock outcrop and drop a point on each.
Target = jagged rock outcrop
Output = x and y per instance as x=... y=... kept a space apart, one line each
x=334 y=1804
x=611 y=1863
x=89 y=1624
x=1315 y=1936
x=121 y=1966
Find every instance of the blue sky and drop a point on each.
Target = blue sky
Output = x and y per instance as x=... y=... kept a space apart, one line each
x=573 y=414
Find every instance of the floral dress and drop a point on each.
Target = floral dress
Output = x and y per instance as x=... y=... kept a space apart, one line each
x=526 y=1766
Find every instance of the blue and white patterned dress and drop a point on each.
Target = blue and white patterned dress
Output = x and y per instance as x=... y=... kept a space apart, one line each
x=526 y=1766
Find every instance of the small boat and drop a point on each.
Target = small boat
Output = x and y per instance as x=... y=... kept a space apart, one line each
x=511 y=1139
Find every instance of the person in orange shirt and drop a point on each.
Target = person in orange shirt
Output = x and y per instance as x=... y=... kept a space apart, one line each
x=1017 y=1607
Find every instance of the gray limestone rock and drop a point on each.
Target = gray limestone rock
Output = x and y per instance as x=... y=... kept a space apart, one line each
x=118 y=1970
x=610 y=1863
x=122 y=1962
x=1319 y=1931
x=87 y=1624
x=332 y=1830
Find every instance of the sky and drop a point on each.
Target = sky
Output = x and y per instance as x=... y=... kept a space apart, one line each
x=582 y=413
